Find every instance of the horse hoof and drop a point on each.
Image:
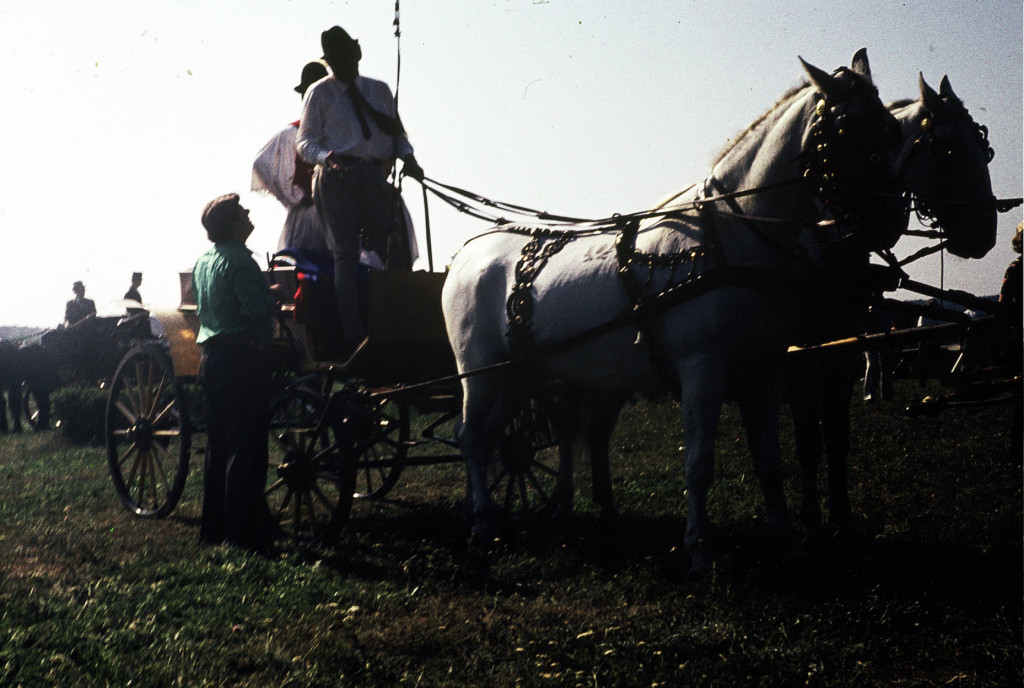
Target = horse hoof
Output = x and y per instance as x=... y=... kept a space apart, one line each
x=610 y=517
x=560 y=513
x=816 y=539
x=484 y=533
x=796 y=556
x=701 y=563
x=850 y=539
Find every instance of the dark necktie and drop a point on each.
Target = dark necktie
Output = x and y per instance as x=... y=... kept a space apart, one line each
x=357 y=105
x=392 y=126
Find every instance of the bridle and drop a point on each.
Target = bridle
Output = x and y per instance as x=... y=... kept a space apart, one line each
x=841 y=165
x=943 y=160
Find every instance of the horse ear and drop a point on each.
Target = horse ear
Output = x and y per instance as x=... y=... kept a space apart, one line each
x=825 y=82
x=860 y=64
x=947 y=91
x=932 y=100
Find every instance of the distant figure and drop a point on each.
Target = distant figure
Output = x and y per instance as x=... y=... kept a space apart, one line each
x=878 y=365
x=278 y=170
x=236 y=310
x=1010 y=292
x=351 y=131
x=10 y=387
x=79 y=308
x=133 y=291
x=1010 y=298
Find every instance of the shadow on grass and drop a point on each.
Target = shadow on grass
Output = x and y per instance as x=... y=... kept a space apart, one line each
x=427 y=545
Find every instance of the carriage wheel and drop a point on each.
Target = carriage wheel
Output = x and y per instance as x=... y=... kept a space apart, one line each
x=309 y=483
x=380 y=464
x=523 y=479
x=32 y=410
x=147 y=433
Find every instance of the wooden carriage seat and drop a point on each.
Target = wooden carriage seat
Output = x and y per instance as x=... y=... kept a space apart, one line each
x=406 y=338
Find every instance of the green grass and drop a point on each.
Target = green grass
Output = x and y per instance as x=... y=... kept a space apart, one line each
x=90 y=596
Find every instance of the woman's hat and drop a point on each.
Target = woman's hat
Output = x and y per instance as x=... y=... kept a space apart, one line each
x=311 y=73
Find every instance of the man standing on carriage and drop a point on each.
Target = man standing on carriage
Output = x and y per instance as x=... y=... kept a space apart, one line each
x=351 y=131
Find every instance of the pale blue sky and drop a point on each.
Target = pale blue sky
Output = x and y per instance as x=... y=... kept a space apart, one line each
x=125 y=116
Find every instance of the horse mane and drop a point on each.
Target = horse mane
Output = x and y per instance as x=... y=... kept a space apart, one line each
x=783 y=100
x=901 y=103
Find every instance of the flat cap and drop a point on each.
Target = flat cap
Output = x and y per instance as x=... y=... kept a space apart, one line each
x=219 y=213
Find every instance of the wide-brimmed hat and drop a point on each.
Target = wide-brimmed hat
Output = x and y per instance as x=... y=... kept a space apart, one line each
x=336 y=43
x=220 y=212
x=311 y=73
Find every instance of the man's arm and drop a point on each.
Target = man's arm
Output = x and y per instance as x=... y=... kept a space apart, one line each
x=311 y=126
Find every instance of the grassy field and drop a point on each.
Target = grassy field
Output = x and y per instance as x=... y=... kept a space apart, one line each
x=91 y=596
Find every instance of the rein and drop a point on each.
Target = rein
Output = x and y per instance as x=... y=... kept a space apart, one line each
x=449 y=194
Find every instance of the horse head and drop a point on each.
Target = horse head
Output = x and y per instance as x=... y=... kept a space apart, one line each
x=847 y=155
x=944 y=163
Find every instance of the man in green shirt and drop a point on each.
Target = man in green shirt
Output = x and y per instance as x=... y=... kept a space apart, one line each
x=236 y=309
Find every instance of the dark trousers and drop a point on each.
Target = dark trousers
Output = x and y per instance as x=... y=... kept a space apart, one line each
x=352 y=200
x=236 y=386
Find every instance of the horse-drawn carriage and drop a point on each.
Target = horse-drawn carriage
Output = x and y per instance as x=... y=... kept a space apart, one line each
x=339 y=430
x=701 y=293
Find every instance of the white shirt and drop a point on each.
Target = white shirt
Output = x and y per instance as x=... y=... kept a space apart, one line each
x=273 y=172
x=329 y=122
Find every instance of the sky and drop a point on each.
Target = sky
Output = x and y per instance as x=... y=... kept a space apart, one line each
x=124 y=117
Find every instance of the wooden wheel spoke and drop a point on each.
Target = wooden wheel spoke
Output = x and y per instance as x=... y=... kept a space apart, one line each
x=541 y=466
x=131 y=452
x=138 y=385
x=510 y=492
x=131 y=415
x=140 y=483
x=159 y=456
x=311 y=510
x=162 y=414
x=497 y=480
x=296 y=511
x=537 y=486
x=273 y=487
x=521 y=484
x=324 y=499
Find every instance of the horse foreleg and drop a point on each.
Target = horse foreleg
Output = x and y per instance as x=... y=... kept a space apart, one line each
x=802 y=384
x=701 y=403
x=3 y=411
x=837 y=386
x=759 y=407
x=602 y=413
x=15 y=400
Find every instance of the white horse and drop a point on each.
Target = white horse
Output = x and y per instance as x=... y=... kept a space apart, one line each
x=728 y=250
x=943 y=161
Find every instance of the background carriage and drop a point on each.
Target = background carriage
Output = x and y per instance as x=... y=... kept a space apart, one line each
x=84 y=354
